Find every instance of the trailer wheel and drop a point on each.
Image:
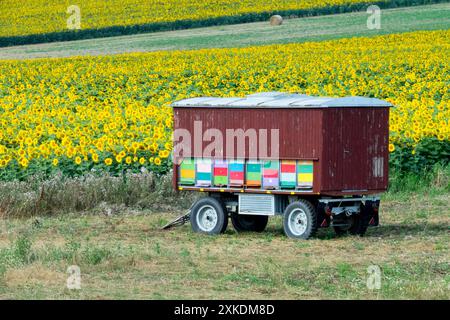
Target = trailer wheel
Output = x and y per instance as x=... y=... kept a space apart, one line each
x=209 y=215
x=361 y=222
x=357 y=227
x=340 y=231
x=300 y=220
x=343 y=230
x=357 y=224
x=253 y=223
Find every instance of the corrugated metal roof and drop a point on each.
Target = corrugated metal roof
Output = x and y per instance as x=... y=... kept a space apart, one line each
x=266 y=94
x=219 y=101
x=281 y=100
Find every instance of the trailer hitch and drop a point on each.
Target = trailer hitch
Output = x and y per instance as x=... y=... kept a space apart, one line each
x=178 y=222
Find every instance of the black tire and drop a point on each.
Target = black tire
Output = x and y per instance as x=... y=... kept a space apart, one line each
x=362 y=220
x=343 y=230
x=358 y=224
x=306 y=225
x=209 y=216
x=357 y=228
x=249 y=223
x=339 y=231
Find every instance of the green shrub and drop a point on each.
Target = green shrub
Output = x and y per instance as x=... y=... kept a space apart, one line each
x=421 y=158
x=22 y=249
x=95 y=255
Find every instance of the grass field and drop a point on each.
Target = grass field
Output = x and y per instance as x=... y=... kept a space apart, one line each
x=39 y=21
x=431 y=17
x=126 y=256
x=31 y=17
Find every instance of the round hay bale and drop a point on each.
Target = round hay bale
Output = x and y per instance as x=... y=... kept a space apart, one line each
x=276 y=20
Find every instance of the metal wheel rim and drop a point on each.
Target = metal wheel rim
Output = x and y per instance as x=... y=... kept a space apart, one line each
x=207 y=218
x=298 y=222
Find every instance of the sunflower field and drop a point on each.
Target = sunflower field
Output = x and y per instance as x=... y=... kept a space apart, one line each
x=112 y=113
x=43 y=16
x=34 y=21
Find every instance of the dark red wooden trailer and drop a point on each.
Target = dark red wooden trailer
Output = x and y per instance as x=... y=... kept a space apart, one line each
x=319 y=161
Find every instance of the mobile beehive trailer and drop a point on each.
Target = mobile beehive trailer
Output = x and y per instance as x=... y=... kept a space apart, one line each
x=330 y=163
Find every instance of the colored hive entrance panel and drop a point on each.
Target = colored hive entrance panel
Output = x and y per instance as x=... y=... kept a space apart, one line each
x=187 y=172
x=288 y=174
x=305 y=174
x=220 y=173
x=254 y=174
x=271 y=178
x=282 y=175
x=203 y=172
x=236 y=169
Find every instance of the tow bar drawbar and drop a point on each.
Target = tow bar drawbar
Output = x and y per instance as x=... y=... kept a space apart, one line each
x=181 y=220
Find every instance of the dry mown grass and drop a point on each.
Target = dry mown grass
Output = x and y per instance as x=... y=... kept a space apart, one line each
x=127 y=256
